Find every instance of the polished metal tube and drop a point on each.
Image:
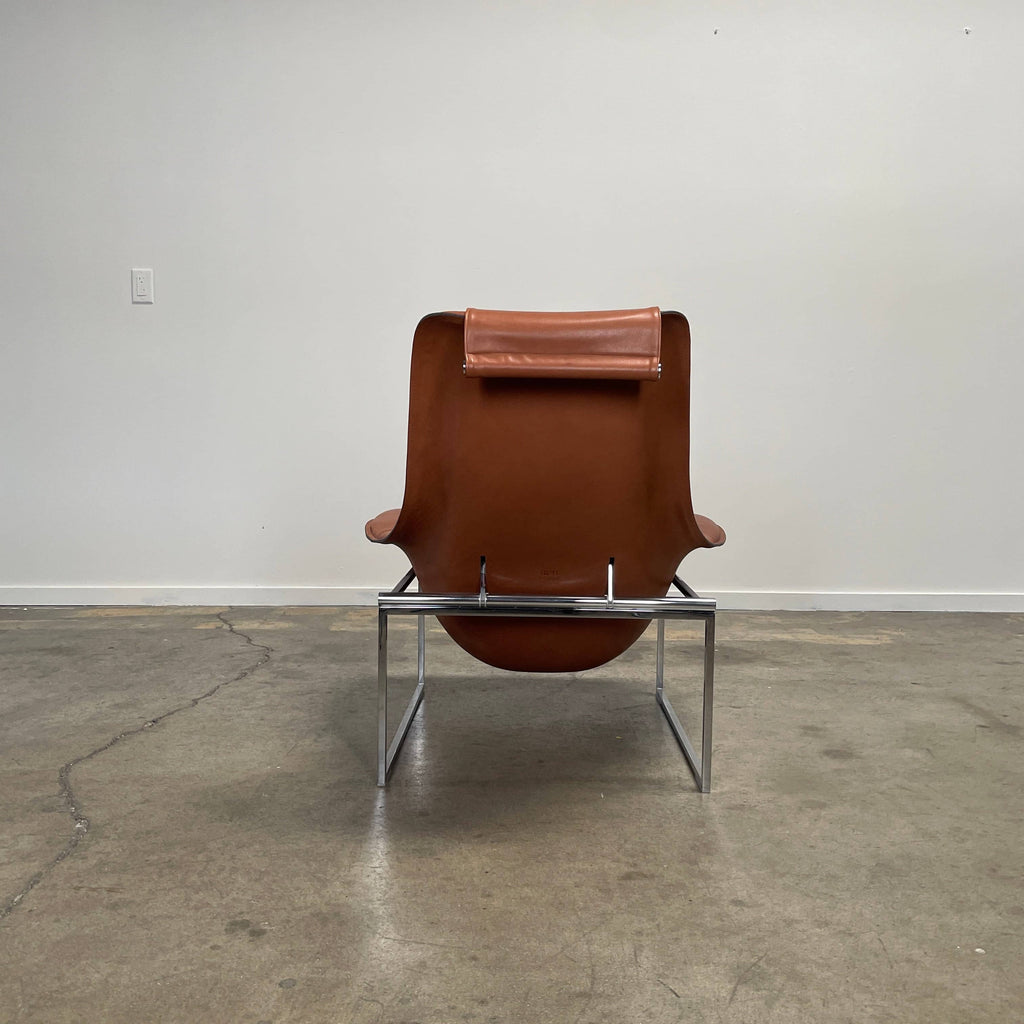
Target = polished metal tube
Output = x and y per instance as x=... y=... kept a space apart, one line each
x=659 y=678
x=421 y=648
x=382 y=697
x=683 y=587
x=404 y=582
x=540 y=606
x=709 y=702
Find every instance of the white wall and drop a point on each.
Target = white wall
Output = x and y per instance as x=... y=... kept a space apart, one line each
x=831 y=192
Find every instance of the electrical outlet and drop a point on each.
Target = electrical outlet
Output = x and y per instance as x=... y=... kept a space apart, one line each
x=142 y=284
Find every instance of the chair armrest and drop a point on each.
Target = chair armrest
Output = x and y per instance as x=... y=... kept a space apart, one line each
x=379 y=528
x=713 y=534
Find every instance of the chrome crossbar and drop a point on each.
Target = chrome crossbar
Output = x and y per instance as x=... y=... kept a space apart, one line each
x=537 y=606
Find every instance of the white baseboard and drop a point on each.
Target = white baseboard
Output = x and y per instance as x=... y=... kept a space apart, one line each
x=728 y=600
x=210 y=597
x=863 y=601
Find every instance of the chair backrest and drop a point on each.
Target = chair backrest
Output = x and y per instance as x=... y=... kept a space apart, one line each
x=547 y=477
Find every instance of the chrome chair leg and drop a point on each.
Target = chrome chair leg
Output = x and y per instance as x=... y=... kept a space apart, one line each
x=709 y=703
x=386 y=753
x=382 y=698
x=421 y=648
x=701 y=769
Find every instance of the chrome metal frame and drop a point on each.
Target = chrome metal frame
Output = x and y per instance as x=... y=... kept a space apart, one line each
x=689 y=605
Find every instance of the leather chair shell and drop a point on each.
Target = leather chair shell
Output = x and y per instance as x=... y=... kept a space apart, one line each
x=548 y=478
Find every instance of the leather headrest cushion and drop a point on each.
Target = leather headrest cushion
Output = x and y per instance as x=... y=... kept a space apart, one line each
x=618 y=344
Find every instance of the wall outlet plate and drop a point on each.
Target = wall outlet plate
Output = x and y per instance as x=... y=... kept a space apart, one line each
x=142 y=285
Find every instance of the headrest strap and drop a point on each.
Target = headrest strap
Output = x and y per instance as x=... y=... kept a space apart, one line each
x=618 y=344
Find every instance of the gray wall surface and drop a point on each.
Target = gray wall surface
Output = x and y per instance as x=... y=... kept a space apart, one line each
x=831 y=194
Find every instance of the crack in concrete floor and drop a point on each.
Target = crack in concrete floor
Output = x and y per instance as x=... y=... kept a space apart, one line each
x=67 y=793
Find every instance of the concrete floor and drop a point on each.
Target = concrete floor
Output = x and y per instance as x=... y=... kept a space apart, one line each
x=191 y=830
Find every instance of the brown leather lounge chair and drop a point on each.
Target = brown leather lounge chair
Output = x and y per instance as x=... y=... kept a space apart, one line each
x=547 y=497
